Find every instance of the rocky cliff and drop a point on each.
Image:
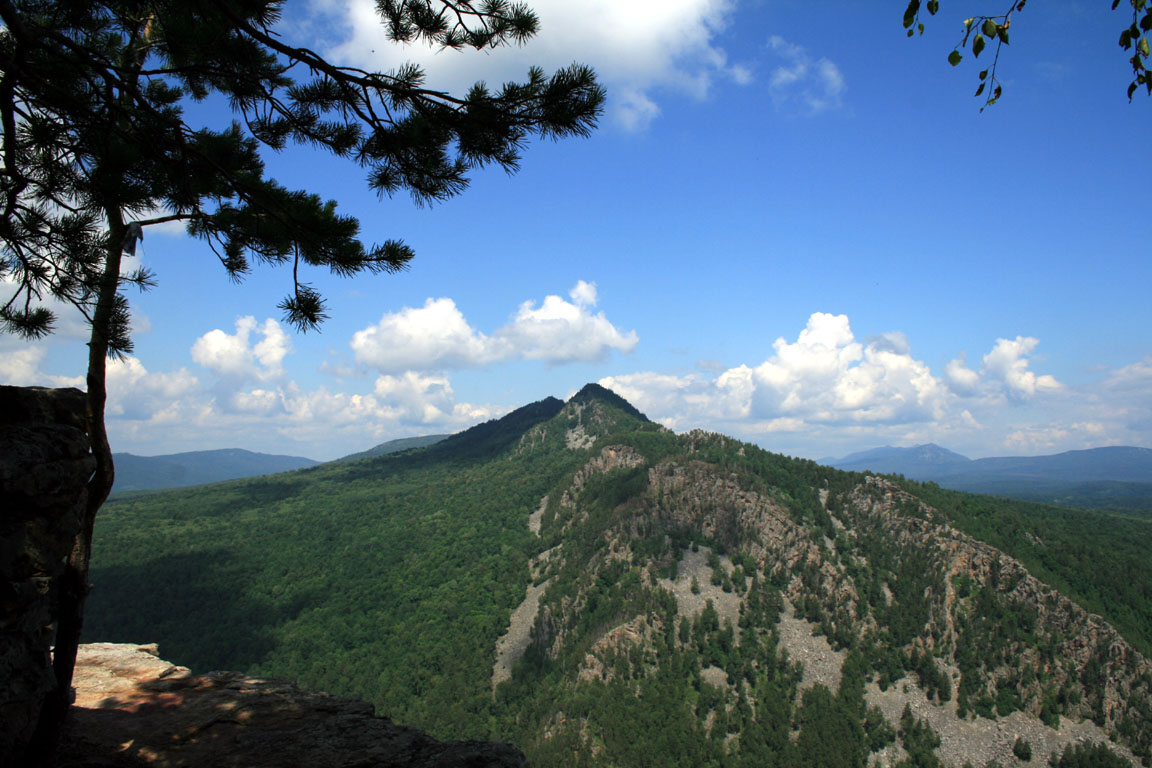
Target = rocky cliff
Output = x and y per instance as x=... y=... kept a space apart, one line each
x=45 y=464
x=134 y=709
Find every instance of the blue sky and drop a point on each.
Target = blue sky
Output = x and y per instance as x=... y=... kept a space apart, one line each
x=793 y=226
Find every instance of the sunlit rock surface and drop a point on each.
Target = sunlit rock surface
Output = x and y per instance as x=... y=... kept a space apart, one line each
x=135 y=709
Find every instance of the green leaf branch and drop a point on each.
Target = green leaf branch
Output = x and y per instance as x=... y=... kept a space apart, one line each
x=1135 y=39
x=979 y=31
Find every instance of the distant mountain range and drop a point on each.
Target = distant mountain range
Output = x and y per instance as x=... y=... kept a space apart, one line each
x=1116 y=477
x=1112 y=477
x=149 y=473
x=152 y=473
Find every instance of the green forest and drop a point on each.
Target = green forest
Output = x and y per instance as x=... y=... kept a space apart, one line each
x=390 y=579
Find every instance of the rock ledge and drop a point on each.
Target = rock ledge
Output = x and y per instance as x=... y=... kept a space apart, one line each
x=134 y=709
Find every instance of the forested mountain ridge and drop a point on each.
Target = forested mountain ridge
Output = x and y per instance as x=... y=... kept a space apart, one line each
x=874 y=569
x=582 y=582
x=394 y=446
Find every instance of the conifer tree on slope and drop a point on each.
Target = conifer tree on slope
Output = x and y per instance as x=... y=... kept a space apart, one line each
x=97 y=147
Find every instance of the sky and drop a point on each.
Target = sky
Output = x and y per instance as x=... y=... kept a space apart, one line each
x=793 y=225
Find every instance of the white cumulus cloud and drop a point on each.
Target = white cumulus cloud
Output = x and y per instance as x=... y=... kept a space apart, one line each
x=136 y=394
x=828 y=382
x=828 y=376
x=408 y=404
x=234 y=355
x=175 y=411
x=415 y=399
x=247 y=396
x=1007 y=364
x=1136 y=376
x=433 y=336
x=438 y=337
x=1004 y=374
x=824 y=377
x=960 y=378
x=563 y=331
x=260 y=402
x=20 y=365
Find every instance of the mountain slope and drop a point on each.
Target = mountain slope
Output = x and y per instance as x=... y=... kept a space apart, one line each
x=394 y=446
x=580 y=581
x=874 y=569
x=283 y=575
x=140 y=473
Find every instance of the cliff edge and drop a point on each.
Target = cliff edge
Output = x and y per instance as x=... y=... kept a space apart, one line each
x=134 y=709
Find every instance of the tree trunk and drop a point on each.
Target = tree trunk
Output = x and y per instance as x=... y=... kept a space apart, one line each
x=74 y=586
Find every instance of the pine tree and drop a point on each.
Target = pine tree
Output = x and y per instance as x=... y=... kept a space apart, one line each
x=97 y=147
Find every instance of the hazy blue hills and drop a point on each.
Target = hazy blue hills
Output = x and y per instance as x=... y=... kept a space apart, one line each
x=933 y=462
x=921 y=462
x=1117 y=477
x=148 y=473
x=151 y=473
x=1115 y=463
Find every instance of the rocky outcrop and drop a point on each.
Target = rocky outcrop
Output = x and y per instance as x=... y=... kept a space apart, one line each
x=1120 y=689
x=893 y=558
x=134 y=709
x=610 y=457
x=45 y=463
x=515 y=640
x=697 y=497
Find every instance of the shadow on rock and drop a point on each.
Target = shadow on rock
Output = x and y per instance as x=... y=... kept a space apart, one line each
x=134 y=709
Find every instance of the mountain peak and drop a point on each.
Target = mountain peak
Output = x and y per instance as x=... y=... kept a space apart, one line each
x=593 y=392
x=491 y=437
x=934 y=451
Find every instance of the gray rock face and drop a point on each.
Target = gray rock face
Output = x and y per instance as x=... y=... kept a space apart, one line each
x=134 y=709
x=45 y=464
